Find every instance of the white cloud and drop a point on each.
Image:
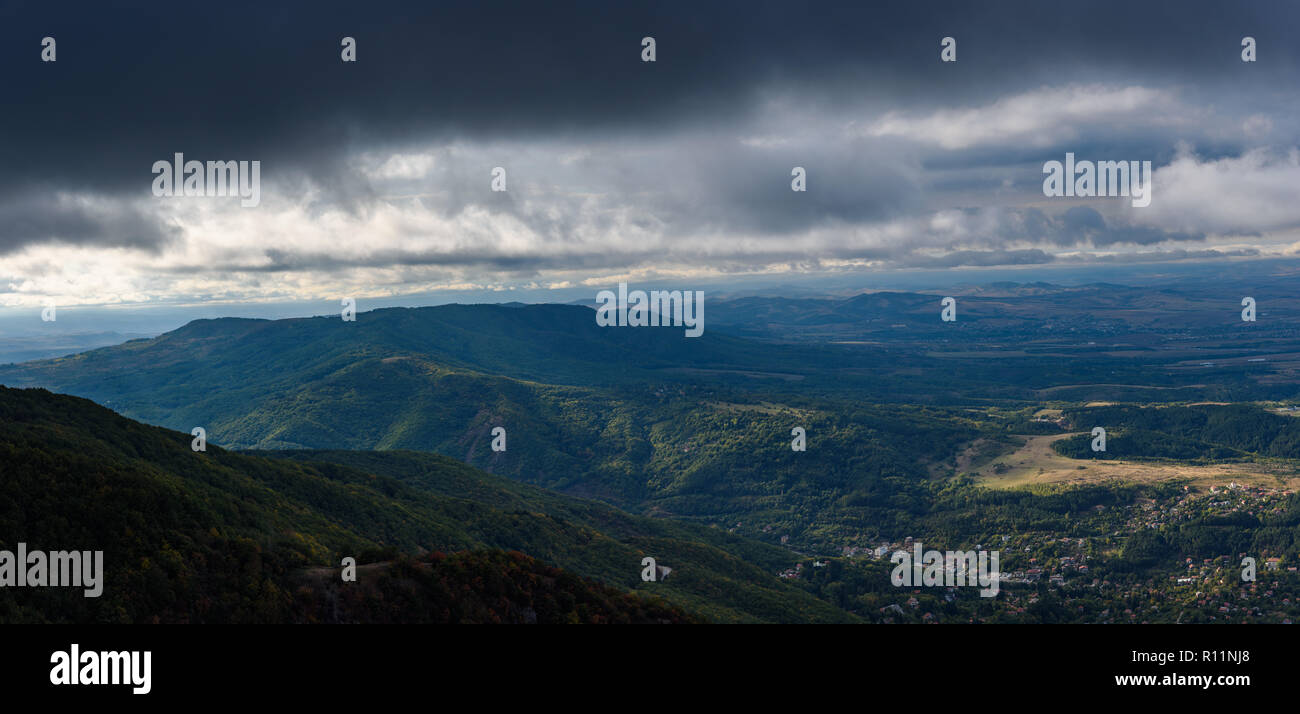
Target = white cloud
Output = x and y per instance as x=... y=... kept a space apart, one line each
x=397 y=166
x=1039 y=118
x=1254 y=193
x=689 y=203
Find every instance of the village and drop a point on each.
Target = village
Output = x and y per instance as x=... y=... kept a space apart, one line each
x=1084 y=579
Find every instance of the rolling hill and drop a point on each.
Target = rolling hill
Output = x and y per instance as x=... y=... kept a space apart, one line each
x=669 y=441
x=697 y=430
x=218 y=536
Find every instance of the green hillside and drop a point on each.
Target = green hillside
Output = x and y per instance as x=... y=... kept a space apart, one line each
x=648 y=420
x=1198 y=432
x=220 y=536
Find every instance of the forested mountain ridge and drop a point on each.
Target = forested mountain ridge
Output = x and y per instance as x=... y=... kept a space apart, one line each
x=1197 y=432
x=646 y=422
x=216 y=536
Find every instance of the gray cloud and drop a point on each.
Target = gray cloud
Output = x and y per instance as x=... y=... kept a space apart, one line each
x=618 y=165
x=36 y=217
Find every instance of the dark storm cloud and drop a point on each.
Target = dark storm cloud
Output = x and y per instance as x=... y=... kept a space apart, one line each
x=1082 y=225
x=49 y=217
x=615 y=163
x=263 y=80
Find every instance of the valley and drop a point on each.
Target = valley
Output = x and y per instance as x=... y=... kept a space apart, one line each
x=631 y=442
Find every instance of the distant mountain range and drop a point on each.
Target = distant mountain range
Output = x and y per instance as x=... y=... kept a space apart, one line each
x=643 y=418
x=374 y=439
x=661 y=424
x=22 y=348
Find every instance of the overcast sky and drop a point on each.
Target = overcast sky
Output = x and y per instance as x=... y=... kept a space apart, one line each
x=376 y=175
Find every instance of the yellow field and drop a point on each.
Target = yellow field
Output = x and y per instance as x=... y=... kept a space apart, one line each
x=1037 y=463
